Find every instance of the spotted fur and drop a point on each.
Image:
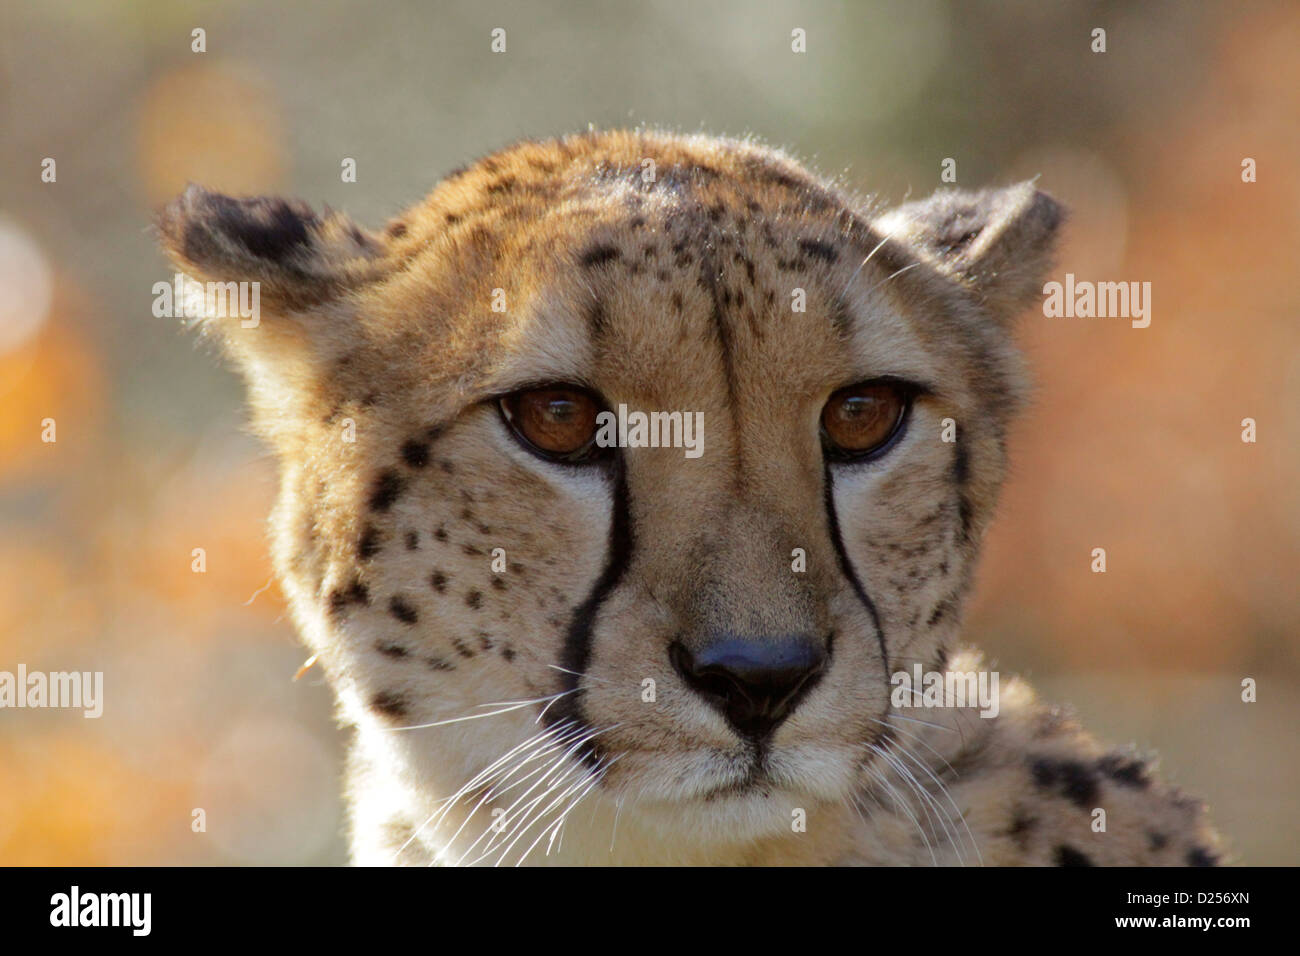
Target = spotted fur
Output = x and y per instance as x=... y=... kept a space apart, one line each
x=660 y=272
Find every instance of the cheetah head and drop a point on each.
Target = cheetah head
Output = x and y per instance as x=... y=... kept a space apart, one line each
x=517 y=616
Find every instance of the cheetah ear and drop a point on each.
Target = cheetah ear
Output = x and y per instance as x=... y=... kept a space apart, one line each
x=998 y=243
x=298 y=258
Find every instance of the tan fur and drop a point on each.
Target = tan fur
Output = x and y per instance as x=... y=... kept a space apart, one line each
x=670 y=293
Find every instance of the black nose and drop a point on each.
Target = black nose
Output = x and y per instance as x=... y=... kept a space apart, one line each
x=755 y=681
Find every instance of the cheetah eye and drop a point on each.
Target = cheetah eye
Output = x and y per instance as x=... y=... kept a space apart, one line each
x=863 y=420
x=557 y=422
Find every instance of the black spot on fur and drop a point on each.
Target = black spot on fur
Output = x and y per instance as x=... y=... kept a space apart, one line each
x=1068 y=856
x=391 y=650
x=597 y=320
x=818 y=249
x=1157 y=841
x=412 y=541
x=390 y=704
x=776 y=177
x=440 y=664
x=441 y=534
x=1022 y=825
x=598 y=256
x=474 y=599
x=397 y=230
x=1070 y=778
x=388 y=486
x=960 y=477
x=354 y=593
x=508 y=653
x=940 y=612
x=415 y=453
x=439 y=582
x=462 y=648
x=499 y=583
x=1199 y=856
x=960 y=465
x=1125 y=769
x=368 y=545
x=398 y=607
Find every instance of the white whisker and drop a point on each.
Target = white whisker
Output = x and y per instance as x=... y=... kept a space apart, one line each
x=943 y=789
x=928 y=802
x=894 y=275
x=506 y=706
x=864 y=262
x=477 y=780
x=565 y=670
x=520 y=815
x=618 y=810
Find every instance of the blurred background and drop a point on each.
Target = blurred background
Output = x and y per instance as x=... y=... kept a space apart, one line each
x=1133 y=443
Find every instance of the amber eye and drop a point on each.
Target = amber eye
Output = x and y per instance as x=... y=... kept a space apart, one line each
x=555 y=421
x=862 y=419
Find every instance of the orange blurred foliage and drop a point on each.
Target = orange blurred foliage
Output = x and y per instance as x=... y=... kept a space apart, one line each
x=1134 y=441
x=54 y=374
x=214 y=124
x=77 y=803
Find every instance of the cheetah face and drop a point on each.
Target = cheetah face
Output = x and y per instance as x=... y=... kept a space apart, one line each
x=509 y=607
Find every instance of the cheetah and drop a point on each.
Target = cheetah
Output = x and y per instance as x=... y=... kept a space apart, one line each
x=551 y=649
